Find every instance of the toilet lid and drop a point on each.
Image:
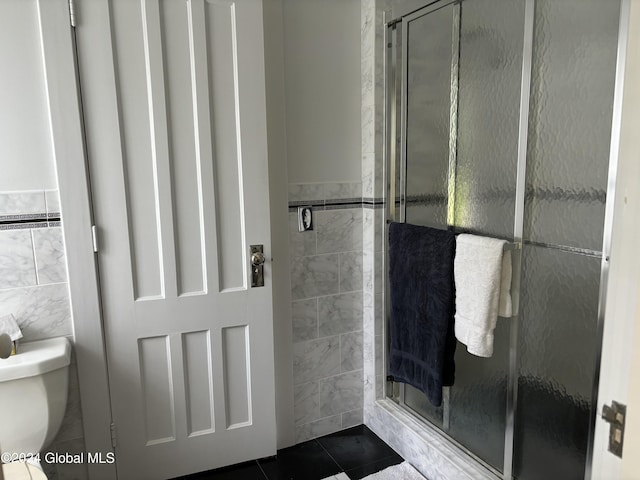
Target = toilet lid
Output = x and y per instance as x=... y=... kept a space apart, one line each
x=22 y=471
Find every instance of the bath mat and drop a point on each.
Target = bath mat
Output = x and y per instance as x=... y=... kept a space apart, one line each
x=402 y=471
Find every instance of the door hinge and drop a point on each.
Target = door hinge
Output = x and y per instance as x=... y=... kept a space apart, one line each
x=94 y=238
x=72 y=13
x=114 y=440
x=615 y=415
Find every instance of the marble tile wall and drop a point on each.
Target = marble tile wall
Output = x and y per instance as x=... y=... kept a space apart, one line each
x=33 y=271
x=34 y=288
x=326 y=289
x=373 y=187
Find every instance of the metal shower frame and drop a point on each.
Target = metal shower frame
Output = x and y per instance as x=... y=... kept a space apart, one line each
x=394 y=171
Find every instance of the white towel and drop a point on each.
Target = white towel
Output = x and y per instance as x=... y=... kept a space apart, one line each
x=9 y=326
x=482 y=271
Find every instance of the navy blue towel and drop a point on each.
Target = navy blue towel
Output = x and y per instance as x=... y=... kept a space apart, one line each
x=422 y=291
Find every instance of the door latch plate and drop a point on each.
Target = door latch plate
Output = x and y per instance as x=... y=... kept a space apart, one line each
x=615 y=415
x=257 y=265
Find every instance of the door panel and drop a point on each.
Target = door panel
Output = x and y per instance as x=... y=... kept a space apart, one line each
x=190 y=343
x=196 y=348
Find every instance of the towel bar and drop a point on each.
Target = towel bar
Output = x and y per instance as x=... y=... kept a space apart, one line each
x=511 y=245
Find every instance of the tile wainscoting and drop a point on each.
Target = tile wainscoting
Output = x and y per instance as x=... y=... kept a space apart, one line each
x=326 y=289
x=34 y=288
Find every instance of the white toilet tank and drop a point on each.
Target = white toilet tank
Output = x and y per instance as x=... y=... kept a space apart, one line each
x=33 y=395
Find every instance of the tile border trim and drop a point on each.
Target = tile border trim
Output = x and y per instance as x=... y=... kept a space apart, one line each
x=337 y=204
x=29 y=220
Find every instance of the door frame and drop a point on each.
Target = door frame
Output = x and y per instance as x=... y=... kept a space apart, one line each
x=65 y=117
x=622 y=310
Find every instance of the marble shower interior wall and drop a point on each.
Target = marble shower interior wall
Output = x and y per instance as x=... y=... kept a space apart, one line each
x=33 y=287
x=372 y=187
x=327 y=308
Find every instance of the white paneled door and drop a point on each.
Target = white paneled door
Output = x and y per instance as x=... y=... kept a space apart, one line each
x=179 y=199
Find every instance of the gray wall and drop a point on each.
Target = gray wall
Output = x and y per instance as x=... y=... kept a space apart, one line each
x=25 y=142
x=323 y=145
x=322 y=80
x=312 y=53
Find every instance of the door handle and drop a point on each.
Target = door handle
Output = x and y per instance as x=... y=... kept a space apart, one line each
x=257 y=265
x=257 y=259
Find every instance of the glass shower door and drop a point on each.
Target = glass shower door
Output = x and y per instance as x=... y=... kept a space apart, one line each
x=482 y=150
x=571 y=108
x=490 y=77
x=431 y=64
x=460 y=156
x=431 y=68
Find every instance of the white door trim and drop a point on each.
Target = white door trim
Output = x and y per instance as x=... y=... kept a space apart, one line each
x=279 y=207
x=68 y=148
x=624 y=273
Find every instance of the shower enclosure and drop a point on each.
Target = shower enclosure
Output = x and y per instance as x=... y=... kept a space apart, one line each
x=498 y=122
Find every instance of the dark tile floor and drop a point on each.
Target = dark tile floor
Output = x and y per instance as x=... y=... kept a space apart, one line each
x=357 y=451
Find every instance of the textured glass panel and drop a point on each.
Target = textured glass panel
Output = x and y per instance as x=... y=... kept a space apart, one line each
x=491 y=37
x=570 y=120
x=430 y=214
x=418 y=401
x=478 y=399
x=557 y=354
x=491 y=40
x=429 y=56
